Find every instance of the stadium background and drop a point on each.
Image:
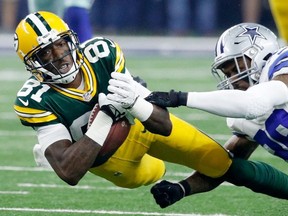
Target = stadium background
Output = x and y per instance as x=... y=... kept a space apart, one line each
x=149 y=16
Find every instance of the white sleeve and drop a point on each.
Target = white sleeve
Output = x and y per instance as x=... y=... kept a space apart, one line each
x=249 y=104
x=47 y=135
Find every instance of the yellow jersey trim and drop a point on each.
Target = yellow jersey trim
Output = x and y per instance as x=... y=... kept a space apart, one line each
x=120 y=60
x=34 y=115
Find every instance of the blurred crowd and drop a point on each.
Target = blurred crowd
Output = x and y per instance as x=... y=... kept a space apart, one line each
x=148 y=17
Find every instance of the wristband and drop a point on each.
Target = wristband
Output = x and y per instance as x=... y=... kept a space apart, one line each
x=142 y=109
x=182 y=98
x=186 y=187
x=100 y=127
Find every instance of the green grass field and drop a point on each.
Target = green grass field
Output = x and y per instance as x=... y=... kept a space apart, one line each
x=27 y=190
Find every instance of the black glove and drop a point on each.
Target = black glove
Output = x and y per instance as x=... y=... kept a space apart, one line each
x=168 y=99
x=166 y=193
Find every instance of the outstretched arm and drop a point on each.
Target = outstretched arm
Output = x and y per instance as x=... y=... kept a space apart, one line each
x=240 y=147
x=247 y=104
x=257 y=176
x=166 y=193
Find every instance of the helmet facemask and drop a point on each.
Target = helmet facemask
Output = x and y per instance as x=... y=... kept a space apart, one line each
x=248 y=72
x=47 y=72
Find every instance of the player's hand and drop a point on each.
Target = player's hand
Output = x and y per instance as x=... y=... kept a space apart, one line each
x=114 y=110
x=140 y=80
x=168 y=99
x=123 y=90
x=166 y=193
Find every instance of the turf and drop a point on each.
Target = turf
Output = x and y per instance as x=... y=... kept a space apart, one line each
x=26 y=190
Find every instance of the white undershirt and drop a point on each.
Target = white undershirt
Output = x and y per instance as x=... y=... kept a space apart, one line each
x=82 y=85
x=51 y=133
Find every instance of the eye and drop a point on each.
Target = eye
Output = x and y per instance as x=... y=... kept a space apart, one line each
x=45 y=53
x=227 y=72
x=62 y=43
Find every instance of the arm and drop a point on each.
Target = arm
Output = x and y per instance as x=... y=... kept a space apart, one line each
x=249 y=104
x=159 y=122
x=240 y=147
x=70 y=160
x=167 y=193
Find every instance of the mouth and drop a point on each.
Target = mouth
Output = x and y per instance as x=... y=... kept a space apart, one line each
x=64 y=68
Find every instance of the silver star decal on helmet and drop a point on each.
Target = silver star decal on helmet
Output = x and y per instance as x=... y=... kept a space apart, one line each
x=251 y=32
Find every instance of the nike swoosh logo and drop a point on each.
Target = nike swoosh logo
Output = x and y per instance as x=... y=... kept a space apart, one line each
x=25 y=103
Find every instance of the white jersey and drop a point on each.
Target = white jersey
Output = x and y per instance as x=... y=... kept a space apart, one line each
x=270 y=130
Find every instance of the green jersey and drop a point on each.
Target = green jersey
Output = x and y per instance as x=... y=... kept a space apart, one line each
x=38 y=104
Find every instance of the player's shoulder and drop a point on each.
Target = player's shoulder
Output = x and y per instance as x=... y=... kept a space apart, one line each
x=276 y=64
x=32 y=93
x=278 y=57
x=99 y=41
x=103 y=53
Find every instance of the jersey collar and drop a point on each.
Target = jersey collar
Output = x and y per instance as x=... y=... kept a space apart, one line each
x=90 y=85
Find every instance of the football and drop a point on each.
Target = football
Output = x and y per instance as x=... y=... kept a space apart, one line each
x=117 y=135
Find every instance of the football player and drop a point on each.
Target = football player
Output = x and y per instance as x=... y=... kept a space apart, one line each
x=68 y=79
x=56 y=101
x=279 y=11
x=253 y=70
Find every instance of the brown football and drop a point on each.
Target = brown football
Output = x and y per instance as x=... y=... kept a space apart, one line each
x=117 y=135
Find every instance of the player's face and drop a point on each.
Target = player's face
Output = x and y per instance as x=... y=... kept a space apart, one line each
x=56 y=57
x=230 y=70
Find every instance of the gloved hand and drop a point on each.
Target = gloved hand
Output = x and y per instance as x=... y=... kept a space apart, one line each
x=168 y=99
x=166 y=193
x=123 y=90
x=114 y=110
x=140 y=80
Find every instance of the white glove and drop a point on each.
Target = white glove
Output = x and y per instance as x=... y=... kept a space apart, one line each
x=123 y=90
x=114 y=110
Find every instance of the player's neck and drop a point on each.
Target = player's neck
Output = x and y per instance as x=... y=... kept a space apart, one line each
x=76 y=83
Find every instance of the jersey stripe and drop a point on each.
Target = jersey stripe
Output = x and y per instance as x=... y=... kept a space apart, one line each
x=120 y=60
x=277 y=63
x=34 y=115
x=38 y=23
